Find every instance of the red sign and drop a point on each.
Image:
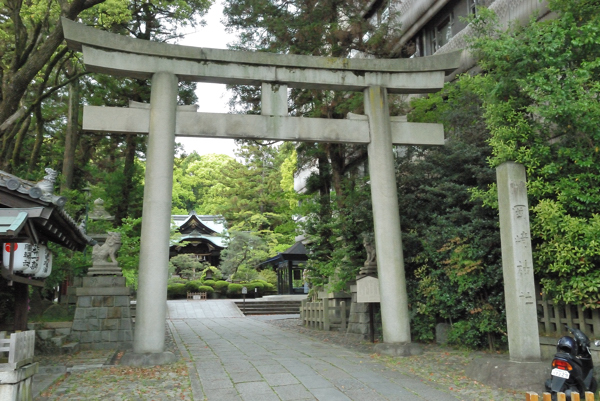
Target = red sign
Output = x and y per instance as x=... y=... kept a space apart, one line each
x=7 y=247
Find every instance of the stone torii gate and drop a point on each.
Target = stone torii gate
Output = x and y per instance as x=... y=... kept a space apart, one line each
x=165 y=65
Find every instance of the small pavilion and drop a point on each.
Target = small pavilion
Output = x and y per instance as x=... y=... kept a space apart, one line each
x=289 y=267
x=201 y=235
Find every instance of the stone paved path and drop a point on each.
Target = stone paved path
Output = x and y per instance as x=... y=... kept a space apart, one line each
x=232 y=358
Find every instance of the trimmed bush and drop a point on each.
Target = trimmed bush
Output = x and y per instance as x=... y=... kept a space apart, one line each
x=205 y=288
x=210 y=283
x=234 y=289
x=221 y=286
x=192 y=286
x=176 y=291
x=258 y=284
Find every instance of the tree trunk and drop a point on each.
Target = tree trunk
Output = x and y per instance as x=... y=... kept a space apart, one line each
x=71 y=137
x=39 y=139
x=338 y=164
x=28 y=59
x=128 y=172
x=16 y=156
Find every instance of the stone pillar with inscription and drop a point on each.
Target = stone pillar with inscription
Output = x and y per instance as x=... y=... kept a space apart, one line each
x=517 y=264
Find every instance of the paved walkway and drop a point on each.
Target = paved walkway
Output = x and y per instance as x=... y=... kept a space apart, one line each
x=231 y=357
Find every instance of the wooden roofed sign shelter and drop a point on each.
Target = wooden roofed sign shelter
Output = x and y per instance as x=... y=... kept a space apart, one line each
x=165 y=65
x=31 y=216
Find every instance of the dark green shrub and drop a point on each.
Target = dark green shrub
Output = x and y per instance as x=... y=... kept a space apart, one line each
x=176 y=291
x=258 y=284
x=221 y=286
x=210 y=283
x=192 y=286
x=205 y=288
x=234 y=289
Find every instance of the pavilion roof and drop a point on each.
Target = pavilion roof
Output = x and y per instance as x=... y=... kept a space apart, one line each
x=295 y=253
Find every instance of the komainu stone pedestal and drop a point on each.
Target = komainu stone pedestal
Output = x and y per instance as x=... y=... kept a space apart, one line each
x=103 y=315
x=358 y=321
x=105 y=269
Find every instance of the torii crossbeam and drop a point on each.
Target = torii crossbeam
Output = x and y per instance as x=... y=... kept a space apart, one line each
x=167 y=64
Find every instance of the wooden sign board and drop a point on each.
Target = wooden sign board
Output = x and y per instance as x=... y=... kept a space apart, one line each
x=367 y=290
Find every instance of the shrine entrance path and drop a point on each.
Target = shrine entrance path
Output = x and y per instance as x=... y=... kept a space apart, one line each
x=231 y=357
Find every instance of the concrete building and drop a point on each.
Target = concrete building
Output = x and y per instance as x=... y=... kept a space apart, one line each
x=431 y=27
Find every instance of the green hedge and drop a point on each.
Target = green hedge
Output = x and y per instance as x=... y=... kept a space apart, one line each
x=176 y=291
x=258 y=284
x=221 y=286
x=210 y=283
x=205 y=288
x=234 y=289
x=192 y=286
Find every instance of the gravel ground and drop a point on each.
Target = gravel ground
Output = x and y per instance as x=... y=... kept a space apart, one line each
x=96 y=375
x=439 y=367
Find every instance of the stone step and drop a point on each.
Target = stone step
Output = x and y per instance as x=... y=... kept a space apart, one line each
x=70 y=348
x=64 y=331
x=269 y=307
x=45 y=334
x=59 y=341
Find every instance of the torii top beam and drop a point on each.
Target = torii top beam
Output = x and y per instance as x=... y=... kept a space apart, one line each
x=124 y=56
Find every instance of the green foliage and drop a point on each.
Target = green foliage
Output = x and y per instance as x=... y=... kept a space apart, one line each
x=210 y=283
x=269 y=276
x=176 y=291
x=129 y=253
x=541 y=86
x=335 y=240
x=244 y=252
x=569 y=246
x=188 y=266
x=234 y=289
x=221 y=286
x=245 y=274
x=193 y=286
x=325 y=28
x=216 y=273
x=206 y=288
x=66 y=264
x=451 y=242
x=258 y=284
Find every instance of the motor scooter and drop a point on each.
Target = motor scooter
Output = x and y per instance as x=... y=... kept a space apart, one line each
x=572 y=366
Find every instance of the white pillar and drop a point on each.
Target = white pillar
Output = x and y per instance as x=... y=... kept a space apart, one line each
x=388 y=241
x=149 y=335
x=274 y=100
x=517 y=264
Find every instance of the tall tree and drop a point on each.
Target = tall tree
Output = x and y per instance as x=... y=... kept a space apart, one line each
x=451 y=242
x=319 y=28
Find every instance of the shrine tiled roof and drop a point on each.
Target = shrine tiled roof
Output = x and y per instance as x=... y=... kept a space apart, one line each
x=53 y=222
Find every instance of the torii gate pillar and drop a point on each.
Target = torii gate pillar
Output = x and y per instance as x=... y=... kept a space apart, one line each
x=149 y=334
x=388 y=241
